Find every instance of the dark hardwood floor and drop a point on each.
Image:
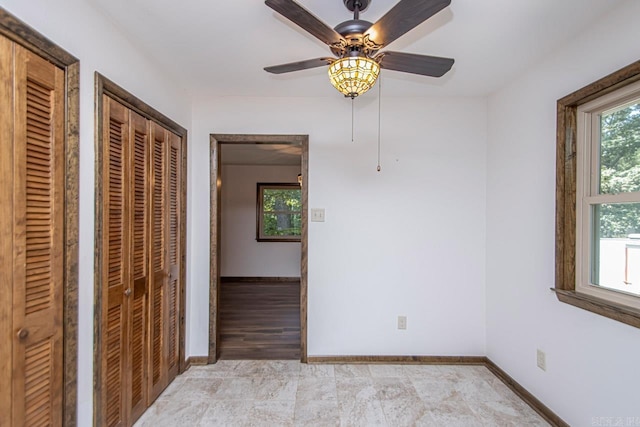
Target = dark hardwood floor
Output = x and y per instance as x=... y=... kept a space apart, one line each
x=259 y=320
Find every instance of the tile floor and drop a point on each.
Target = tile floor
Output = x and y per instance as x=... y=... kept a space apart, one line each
x=287 y=393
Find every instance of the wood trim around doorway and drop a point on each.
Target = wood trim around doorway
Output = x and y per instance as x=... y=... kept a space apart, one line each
x=22 y=34
x=216 y=141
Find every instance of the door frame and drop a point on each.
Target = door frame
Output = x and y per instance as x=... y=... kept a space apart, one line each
x=22 y=34
x=104 y=86
x=216 y=142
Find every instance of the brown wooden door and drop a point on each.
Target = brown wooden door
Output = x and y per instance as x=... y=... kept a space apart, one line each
x=115 y=269
x=32 y=203
x=173 y=288
x=139 y=279
x=157 y=358
x=141 y=257
x=125 y=281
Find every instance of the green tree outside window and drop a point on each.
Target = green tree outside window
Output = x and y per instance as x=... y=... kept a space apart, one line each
x=279 y=212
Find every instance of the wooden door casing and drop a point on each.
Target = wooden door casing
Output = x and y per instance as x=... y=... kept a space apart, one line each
x=6 y=228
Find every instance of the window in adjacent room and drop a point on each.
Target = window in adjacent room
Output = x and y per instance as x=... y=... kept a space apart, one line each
x=279 y=213
x=608 y=197
x=598 y=197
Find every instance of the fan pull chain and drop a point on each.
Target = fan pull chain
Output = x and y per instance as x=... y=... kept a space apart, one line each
x=379 y=115
x=352 y=115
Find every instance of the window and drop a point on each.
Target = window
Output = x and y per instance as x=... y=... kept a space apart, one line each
x=279 y=213
x=598 y=197
x=608 y=197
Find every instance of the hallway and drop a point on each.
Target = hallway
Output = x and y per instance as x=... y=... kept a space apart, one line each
x=260 y=320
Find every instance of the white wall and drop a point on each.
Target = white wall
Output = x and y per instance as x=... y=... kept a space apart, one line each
x=592 y=362
x=89 y=36
x=241 y=254
x=405 y=241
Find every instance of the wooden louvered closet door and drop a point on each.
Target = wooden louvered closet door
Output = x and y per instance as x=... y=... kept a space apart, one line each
x=32 y=228
x=125 y=281
x=158 y=377
x=138 y=310
x=115 y=255
x=141 y=252
x=173 y=289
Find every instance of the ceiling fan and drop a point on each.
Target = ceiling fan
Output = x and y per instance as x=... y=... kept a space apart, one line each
x=356 y=43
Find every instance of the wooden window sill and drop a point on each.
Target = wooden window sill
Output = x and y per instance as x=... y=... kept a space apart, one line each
x=612 y=310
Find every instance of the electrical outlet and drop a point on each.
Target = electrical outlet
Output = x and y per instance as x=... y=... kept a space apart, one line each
x=402 y=322
x=541 y=359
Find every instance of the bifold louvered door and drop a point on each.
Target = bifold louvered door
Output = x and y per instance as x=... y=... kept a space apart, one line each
x=157 y=376
x=137 y=236
x=165 y=230
x=32 y=231
x=125 y=266
x=173 y=289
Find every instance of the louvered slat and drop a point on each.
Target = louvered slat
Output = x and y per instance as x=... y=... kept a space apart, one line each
x=158 y=203
x=137 y=354
x=38 y=361
x=156 y=345
x=173 y=205
x=172 y=297
x=114 y=361
x=39 y=189
x=139 y=205
x=116 y=205
x=174 y=242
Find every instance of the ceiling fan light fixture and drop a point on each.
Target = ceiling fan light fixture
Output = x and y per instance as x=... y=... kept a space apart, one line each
x=353 y=75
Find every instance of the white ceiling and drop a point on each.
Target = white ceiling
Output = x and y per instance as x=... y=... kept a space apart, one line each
x=261 y=154
x=219 y=47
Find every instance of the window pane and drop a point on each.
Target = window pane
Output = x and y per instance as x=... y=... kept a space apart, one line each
x=615 y=258
x=620 y=149
x=281 y=224
x=281 y=200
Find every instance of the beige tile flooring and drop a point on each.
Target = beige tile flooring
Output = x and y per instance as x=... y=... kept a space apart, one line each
x=288 y=393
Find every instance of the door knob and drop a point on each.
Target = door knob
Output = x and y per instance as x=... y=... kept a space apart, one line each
x=23 y=333
x=127 y=292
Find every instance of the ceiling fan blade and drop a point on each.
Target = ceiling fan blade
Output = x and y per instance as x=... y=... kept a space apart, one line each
x=300 y=65
x=432 y=66
x=403 y=17
x=305 y=20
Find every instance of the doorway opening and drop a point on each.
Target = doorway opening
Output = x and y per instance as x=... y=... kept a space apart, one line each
x=253 y=306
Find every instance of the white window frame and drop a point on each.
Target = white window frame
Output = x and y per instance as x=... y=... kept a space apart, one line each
x=587 y=190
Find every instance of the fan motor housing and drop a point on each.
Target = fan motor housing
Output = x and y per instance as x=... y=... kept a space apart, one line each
x=353 y=27
x=353 y=32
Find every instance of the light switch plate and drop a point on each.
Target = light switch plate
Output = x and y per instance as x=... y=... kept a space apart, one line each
x=317 y=214
x=402 y=322
x=541 y=359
